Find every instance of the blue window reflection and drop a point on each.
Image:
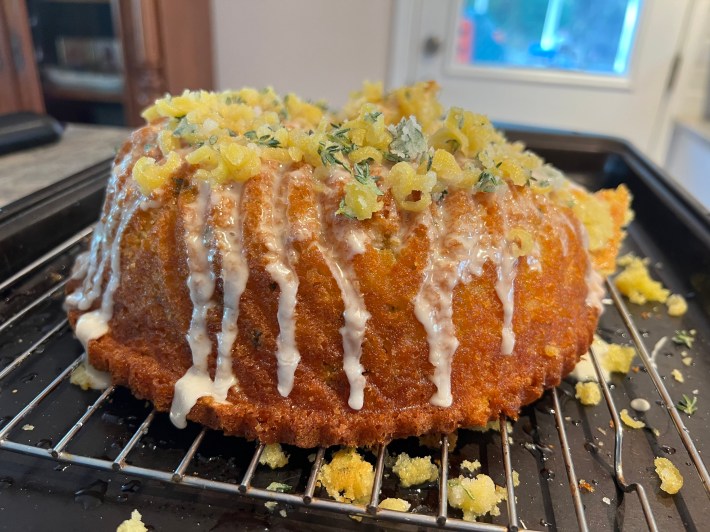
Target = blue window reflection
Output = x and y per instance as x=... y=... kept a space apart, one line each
x=576 y=35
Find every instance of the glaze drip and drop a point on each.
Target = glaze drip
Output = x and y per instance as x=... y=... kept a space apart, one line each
x=94 y=324
x=275 y=232
x=196 y=382
x=235 y=273
x=454 y=255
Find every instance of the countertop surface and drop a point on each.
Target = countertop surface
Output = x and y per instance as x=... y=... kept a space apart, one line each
x=80 y=146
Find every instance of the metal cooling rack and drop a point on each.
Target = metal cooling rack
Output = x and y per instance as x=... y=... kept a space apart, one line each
x=49 y=289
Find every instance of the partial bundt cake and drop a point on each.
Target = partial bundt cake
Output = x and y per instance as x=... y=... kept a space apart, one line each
x=277 y=270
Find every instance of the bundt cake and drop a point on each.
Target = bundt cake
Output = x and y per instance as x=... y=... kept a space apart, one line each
x=289 y=273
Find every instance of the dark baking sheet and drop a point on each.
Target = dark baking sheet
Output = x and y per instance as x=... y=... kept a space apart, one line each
x=670 y=228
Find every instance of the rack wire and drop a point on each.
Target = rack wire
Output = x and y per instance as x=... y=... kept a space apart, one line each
x=309 y=497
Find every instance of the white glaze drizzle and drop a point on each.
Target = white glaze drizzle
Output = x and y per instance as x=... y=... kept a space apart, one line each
x=354 y=239
x=94 y=324
x=506 y=266
x=274 y=229
x=196 y=382
x=235 y=273
x=92 y=265
x=454 y=255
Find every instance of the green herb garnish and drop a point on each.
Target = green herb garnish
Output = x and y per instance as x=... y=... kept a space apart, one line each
x=279 y=487
x=685 y=338
x=409 y=142
x=372 y=117
x=688 y=405
x=264 y=140
x=345 y=210
x=487 y=182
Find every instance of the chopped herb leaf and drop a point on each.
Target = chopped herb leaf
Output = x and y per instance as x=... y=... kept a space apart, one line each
x=688 y=405
x=184 y=128
x=279 y=487
x=409 y=142
x=487 y=182
x=684 y=338
x=264 y=140
x=372 y=117
x=361 y=172
x=345 y=210
x=328 y=155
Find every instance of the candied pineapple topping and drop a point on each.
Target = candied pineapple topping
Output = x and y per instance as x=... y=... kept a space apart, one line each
x=395 y=141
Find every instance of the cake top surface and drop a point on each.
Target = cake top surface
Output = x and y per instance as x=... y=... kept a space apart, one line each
x=402 y=141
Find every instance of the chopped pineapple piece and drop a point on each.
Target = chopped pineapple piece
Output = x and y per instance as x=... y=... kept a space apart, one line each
x=671 y=479
x=629 y=421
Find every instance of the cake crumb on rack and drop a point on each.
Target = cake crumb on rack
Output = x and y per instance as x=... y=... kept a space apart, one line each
x=588 y=393
x=586 y=486
x=476 y=497
x=677 y=375
x=635 y=281
x=413 y=471
x=671 y=479
x=391 y=503
x=134 y=524
x=677 y=305
x=273 y=456
x=348 y=477
x=468 y=465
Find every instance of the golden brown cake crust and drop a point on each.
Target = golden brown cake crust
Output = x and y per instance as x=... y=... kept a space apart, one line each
x=146 y=347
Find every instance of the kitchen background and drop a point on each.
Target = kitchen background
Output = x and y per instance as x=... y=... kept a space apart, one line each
x=636 y=69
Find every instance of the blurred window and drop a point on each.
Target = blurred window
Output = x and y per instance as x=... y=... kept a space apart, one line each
x=594 y=37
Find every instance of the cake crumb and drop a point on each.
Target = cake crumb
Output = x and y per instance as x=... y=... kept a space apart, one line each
x=475 y=496
x=586 y=486
x=400 y=505
x=677 y=305
x=28 y=427
x=283 y=513
x=671 y=479
x=606 y=500
x=636 y=283
x=134 y=524
x=588 y=393
x=413 y=471
x=601 y=430
x=677 y=375
x=618 y=358
x=629 y=421
x=271 y=505
x=467 y=465
x=688 y=361
x=348 y=477
x=273 y=456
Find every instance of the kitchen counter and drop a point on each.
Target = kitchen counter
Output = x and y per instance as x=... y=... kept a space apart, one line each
x=80 y=146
